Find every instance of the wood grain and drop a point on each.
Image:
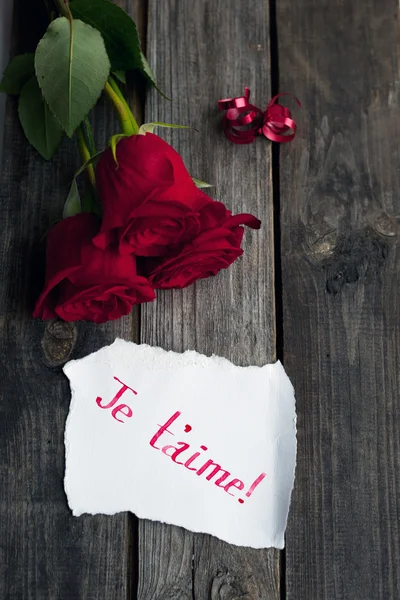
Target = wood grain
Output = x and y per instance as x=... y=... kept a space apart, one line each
x=45 y=553
x=340 y=210
x=201 y=52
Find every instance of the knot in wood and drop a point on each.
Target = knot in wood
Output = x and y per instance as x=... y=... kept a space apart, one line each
x=359 y=256
x=386 y=225
x=58 y=341
x=228 y=586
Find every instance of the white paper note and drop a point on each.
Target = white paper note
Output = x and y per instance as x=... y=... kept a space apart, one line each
x=184 y=439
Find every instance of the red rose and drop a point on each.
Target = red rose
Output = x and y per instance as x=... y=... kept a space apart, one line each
x=83 y=282
x=211 y=251
x=150 y=202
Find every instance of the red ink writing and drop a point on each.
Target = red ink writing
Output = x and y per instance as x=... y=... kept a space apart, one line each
x=123 y=409
x=211 y=470
x=163 y=429
x=235 y=483
x=215 y=470
x=120 y=409
x=253 y=486
x=177 y=451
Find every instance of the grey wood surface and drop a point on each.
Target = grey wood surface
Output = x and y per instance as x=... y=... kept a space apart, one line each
x=45 y=553
x=338 y=285
x=200 y=52
x=5 y=34
x=340 y=209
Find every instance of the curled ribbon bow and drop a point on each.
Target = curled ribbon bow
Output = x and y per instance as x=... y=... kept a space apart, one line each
x=244 y=121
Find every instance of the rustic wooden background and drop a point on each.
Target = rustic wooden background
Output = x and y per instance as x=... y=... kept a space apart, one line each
x=317 y=287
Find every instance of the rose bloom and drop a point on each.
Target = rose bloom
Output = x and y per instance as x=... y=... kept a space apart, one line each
x=209 y=252
x=83 y=282
x=150 y=203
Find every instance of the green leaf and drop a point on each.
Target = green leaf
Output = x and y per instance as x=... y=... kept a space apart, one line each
x=120 y=75
x=149 y=127
x=39 y=124
x=72 y=204
x=117 y=28
x=90 y=160
x=17 y=73
x=120 y=35
x=201 y=184
x=72 y=68
x=148 y=73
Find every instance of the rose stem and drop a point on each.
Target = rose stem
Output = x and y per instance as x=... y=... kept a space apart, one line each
x=120 y=95
x=129 y=127
x=85 y=155
x=63 y=8
x=89 y=136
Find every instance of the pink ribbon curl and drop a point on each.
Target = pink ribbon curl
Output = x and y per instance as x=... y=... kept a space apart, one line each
x=243 y=121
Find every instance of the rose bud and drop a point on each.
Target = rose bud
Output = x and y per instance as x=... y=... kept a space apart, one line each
x=83 y=282
x=151 y=206
x=211 y=251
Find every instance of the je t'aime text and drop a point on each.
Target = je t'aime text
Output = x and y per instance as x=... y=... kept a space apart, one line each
x=180 y=452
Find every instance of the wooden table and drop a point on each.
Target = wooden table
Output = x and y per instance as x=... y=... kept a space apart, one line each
x=318 y=287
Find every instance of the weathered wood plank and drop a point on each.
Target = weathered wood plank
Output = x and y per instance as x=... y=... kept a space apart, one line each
x=203 y=51
x=45 y=552
x=5 y=30
x=341 y=275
